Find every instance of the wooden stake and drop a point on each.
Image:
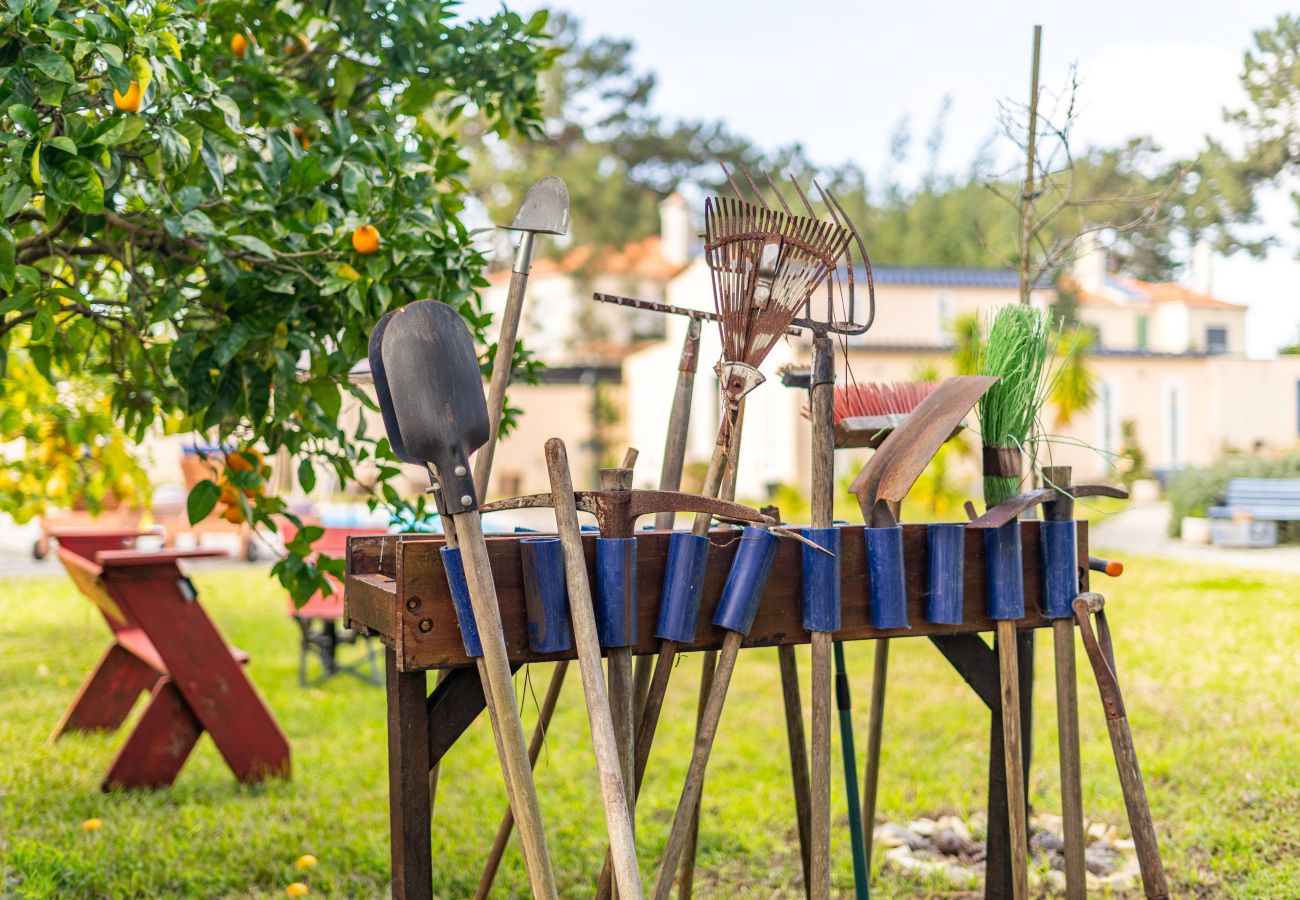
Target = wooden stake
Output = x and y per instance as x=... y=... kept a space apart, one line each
x=875 y=732
x=1027 y=200
x=798 y=745
x=534 y=750
x=687 y=882
x=1009 y=670
x=618 y=818
x=494 y=665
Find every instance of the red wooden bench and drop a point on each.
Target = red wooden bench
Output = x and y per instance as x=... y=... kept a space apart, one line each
x=164 y=643
x=320 y=619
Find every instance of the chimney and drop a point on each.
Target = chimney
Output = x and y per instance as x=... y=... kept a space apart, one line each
x=1202 y=272
x=1090 y=264
x=675 y=232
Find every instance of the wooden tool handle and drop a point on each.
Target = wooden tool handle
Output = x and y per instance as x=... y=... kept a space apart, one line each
x=618 y=818
x=499 y=688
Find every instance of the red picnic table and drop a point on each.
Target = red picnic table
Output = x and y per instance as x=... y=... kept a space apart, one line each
x=163 y=643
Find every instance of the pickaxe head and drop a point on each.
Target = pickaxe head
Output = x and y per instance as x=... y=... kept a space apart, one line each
x=1007 y=510
x=545 y=209
x=617 y=511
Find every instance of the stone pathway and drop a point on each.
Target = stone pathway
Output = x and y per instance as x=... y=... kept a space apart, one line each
x=1140 y=531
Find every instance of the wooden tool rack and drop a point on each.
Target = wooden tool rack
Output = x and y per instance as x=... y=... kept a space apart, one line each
x=396 y=589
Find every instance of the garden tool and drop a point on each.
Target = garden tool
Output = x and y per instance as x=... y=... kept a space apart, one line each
x=383 y=395
x=545 y=210
x=1101 y=653
x=616 y=512
x=880 y=488
x=616 y=799
x=433 y=381
x=764 y=265
x=821 y=571
x=1061 y=586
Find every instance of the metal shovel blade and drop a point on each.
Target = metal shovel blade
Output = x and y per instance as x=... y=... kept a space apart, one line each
x=903 y=456
x=545 y=209
x=382 y=393
x=437 y=394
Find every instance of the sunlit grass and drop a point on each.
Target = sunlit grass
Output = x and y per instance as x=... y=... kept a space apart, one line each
x=1207 y=658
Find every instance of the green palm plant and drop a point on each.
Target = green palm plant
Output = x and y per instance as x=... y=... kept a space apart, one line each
x=1074 y=386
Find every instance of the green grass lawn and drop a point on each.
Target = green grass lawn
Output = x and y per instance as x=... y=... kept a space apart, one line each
x=1207 y=658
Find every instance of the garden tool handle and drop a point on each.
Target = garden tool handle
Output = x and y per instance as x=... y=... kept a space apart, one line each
x=1101 y=652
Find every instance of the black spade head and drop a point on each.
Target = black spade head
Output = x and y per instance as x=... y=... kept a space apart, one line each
x=437 y=394
x=383 y=394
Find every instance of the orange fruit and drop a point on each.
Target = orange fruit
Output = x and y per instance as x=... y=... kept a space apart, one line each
x=306 y=861
x=365 y=240
x=297 y=889
x=298 y=44
x=233 y=514
x=239 y=45
x=92 y=825
x=301 y=134
x=244 y=460
x=130 y=101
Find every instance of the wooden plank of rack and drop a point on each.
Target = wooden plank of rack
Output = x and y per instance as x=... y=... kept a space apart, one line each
x=411 y=609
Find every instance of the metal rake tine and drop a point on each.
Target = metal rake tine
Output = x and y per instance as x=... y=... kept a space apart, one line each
x=730 y=180
x=802 y=195
x=862 y=249
x=752 y=186
x=777 y=191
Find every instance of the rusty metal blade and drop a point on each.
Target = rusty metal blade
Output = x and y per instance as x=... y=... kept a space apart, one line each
x=634 y=504
x=894 y=468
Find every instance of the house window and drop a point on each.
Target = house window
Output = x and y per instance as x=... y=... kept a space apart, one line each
x=943 y=313
x=1174 y=416
x=1108 y=436
x=1143 y=324
x=1216 y=339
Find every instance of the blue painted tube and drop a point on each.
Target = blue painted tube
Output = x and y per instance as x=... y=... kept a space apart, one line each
x=1060 y=568
x=455 y=571
x=616 y=591
x=945 y=587
x=888 y=584
x=679 y=604
x=546 y=595
x=821 y=580
x=1002 y=565
x=746 y=580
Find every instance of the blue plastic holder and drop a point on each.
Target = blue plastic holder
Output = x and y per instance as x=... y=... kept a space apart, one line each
x=455 y=571
x=888 y=577
x=616 y=591
x=546 y=595
x=1003 y=571
x=1060 y=568
x=746 y=580
x=821 y=580
x=679 y=604
x=945 y=587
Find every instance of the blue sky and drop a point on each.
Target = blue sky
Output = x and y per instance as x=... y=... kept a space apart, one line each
x=837 y=76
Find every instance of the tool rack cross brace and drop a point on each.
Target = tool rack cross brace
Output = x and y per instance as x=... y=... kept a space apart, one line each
x=397 y=590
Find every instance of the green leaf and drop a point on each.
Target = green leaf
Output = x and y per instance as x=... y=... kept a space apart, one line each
x=6 y=260
x=53 y=66
x=25 y=116
x=123 y=129
x=202 y=500
x=14 y=197
x=72 y=181
x=356 y=188
x=175 y=149
x=63 y=143
x=212 y=161
x=306 y=475
x=326 y=394
x=229 y=108
x=347 y=75
x=253 y=245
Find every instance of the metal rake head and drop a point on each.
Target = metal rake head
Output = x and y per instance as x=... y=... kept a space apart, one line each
x=846 y=324
x=765 y=265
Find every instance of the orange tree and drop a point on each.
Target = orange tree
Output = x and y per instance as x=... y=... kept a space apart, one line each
x=206 y=206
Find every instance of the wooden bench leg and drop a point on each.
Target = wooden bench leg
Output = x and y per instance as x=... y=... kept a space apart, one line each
x=105 y=699
x=409 y=816
x=161 y=742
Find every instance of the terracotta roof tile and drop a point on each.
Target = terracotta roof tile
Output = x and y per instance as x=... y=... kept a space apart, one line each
x=643 y=258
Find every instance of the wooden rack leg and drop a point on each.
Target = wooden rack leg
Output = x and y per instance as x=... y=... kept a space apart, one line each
x=798 y=757
x=821 y=765
x=408 y=782
x=1067 y=724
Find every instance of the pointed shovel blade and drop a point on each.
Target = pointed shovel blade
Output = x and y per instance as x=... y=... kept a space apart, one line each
x=903 y=456
x=545 y=209
x=437 y=394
